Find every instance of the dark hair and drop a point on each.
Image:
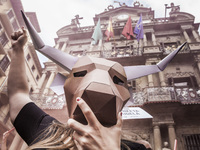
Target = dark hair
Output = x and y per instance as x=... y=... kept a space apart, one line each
x=129 y=145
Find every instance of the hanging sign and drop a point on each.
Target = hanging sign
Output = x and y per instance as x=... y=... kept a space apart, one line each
x=134 y=113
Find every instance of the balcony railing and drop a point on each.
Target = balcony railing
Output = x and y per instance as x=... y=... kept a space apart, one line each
x=185 y=95
x=194 y=46
x=48 y=101
x=129 y=51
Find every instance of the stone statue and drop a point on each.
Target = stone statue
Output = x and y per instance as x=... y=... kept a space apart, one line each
x=174 y=8
x=166 y=145
x=75 y=21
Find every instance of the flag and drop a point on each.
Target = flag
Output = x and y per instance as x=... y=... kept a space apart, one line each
x=139 y=29
x=109 y=32
x=128 y=30
x=97 y=34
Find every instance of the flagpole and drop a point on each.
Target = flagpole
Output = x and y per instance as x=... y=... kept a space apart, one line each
x=102 y=48
x=138 y=47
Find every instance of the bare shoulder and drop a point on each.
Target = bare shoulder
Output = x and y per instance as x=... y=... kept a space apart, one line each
x=17 y=102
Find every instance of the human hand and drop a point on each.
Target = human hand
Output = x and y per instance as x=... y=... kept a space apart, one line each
x=19 y=38
x=6 y=134
x=94 y=136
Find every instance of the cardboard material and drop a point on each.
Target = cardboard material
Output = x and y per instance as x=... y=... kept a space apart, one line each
x=63 y=59
x=58 y=83
x=97 y=88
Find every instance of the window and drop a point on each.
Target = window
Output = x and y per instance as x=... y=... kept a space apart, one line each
x=28 y=57
x=10 y=14
x=4 y=63
x=3 y=39
x=183 y=82
x=15 y=25
x=192 y=142
x=132 y=84
x=33 y=68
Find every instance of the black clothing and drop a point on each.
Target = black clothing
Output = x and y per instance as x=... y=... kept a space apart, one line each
x=31 y=122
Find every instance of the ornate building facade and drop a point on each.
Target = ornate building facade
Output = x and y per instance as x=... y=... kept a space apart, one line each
x=10 y=22
x=172 y=97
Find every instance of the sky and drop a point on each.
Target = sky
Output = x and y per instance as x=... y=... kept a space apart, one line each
x=53 y=15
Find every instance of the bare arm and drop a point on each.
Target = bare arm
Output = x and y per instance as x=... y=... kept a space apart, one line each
x=18 y=91
x=94 y=136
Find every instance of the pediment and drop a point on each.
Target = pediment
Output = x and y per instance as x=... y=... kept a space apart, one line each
x=122 y=13
x=182 y=16
x=67 y=29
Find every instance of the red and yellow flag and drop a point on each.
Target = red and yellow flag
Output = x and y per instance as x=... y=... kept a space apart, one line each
x=109 y=32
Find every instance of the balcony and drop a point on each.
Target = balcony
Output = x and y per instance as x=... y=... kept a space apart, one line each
x=194 y=46
x=184 y=95
x=151 y=50
x=48 y=101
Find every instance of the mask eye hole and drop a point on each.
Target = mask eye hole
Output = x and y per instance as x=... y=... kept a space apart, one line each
x=118 y=81
x=80 y=73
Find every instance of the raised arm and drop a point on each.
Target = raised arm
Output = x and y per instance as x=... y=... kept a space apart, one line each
x=18 y=90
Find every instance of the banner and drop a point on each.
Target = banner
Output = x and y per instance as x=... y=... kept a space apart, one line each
x=134 y=113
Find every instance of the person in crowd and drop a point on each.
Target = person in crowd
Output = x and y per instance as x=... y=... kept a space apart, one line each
x=41 y=131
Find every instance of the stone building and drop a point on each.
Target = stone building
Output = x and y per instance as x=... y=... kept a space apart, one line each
x=9 y=22
x=172 y=97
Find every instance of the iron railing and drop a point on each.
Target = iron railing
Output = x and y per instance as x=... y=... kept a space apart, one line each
x=130 y=51
x=185 y=95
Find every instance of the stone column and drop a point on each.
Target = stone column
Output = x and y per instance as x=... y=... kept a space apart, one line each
x=57 y=46
x=186 y=36
x=42 y=79
x=64 y=46
x=196 y=36
x=197 y=66
x=172 y=135
x=153 y=38
x=150 y=80
x=150 y=77
x=16 y=143
x=157 y=138
x=50 y=80
x=145 y=39
x=162 y=79
x=4 y=112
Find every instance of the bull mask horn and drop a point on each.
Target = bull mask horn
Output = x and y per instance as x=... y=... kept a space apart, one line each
x=133 y=72
x=63 y=59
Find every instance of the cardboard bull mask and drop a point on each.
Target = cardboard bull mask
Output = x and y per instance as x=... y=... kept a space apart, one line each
x=100 y=82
